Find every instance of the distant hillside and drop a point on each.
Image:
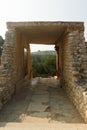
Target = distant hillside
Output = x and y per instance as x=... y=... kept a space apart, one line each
x=44 y=53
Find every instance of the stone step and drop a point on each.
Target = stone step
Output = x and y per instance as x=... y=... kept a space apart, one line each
x=84 y=75
x=84 y=65
x=42 y=126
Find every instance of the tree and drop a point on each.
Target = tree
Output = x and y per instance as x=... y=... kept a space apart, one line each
x=43 y=64
x=1 y=44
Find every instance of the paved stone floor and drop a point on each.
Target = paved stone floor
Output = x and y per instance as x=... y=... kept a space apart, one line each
x=44 y=103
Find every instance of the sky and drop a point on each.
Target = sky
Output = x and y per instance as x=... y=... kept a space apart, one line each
x=42 y=10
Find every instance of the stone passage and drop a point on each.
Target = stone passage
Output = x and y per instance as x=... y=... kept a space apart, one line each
x=43 y=102
x=71 y=58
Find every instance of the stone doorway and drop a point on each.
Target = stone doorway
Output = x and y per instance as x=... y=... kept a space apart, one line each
x=72 y=58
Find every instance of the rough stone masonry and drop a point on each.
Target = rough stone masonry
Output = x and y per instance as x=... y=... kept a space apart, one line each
x=71 y=48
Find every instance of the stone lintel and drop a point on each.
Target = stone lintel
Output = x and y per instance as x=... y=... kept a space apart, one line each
x=73 y=25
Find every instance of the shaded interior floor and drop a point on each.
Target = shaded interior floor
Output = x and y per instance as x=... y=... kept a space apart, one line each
x=42 y=101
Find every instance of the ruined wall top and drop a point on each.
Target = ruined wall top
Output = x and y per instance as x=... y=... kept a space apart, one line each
x=71 y=25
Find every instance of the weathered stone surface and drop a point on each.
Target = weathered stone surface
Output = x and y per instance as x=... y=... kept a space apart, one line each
x=76 y=70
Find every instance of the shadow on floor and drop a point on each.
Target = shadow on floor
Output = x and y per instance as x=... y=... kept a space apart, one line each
x=43 y=102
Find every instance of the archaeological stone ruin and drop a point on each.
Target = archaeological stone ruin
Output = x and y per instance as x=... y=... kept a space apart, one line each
x=71 y=58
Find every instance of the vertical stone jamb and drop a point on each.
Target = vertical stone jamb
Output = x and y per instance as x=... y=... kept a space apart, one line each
x=57 y=61
x=29 y=63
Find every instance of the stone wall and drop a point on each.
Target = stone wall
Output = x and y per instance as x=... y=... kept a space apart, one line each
x=74 y=70
x=7 y=68
x=12 y=64
x=86 y=45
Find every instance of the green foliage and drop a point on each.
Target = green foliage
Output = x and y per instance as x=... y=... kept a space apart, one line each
x=1 y=44
x=43 y=65
x=1 y=41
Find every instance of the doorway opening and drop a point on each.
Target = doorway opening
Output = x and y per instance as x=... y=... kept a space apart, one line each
x=43 y=60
